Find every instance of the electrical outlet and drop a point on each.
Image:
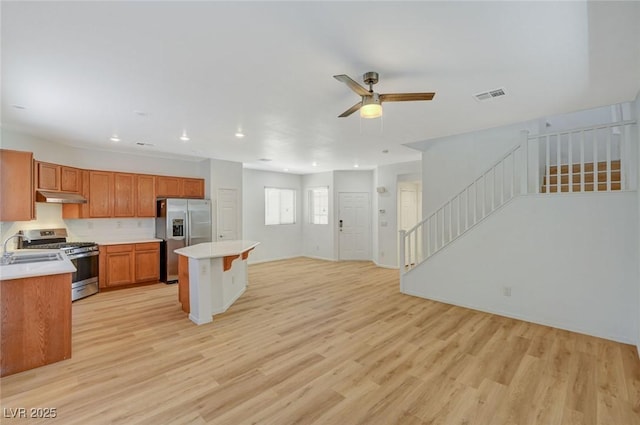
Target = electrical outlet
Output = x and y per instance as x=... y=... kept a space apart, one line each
x=139 y=223
x=317 y=247
x=119 y=224
x=381 y=253
x=90 y=225
x=506 y=291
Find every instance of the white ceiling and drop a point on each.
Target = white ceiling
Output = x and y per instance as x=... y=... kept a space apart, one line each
x=83 y=71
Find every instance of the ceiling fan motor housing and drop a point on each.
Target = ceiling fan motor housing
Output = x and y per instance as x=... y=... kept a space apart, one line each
x=370 y=78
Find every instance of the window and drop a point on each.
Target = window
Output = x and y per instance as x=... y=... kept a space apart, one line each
x=319 y=205
x=279 y=206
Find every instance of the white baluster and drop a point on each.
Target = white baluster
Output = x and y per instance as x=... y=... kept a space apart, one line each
x=582 y=161
x=609 y=130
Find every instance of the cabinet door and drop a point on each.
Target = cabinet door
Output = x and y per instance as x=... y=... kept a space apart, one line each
x=48 y=176
x=16 y=190
x=147 y=262
x=79 y=210
x=193 y=188
x=145 y=196
x=124 y=195
x=168 y=187
x=100 y=194
x=70 y=179
x=120 y=265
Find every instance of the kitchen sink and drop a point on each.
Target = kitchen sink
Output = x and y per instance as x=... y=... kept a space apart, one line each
x=36 y=257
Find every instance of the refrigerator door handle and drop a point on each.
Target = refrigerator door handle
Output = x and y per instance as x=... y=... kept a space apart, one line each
x=188 y=229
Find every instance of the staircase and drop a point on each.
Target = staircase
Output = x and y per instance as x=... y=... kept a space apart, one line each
x=570 y=179
x=554 y=163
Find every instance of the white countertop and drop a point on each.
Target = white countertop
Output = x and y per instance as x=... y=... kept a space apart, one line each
x=126 y=242
x=216 y=249
x=20 y=271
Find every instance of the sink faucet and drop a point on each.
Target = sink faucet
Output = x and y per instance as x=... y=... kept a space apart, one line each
x=7 y=254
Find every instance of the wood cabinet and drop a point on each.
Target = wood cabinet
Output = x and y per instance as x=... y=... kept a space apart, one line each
x=100 y=194
x=147 y=262
x=129 y=264
x=47 y=176
x=109 y=194
x=78 y=210
x=179 y=187
x=168 y=187
x=35 y=316
x=16 y=191
x=193 y=188
x=70 y=179
x=124 y=200
x=145 y=196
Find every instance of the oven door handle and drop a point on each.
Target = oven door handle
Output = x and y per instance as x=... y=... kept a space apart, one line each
x=88 y=254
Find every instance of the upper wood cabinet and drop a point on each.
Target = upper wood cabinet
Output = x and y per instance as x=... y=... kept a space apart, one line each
x=78 y=210
x=124 y=199
x=145 y=196
x=47 y=176
x=56 y=177
x=100 y=194
x=168 y=187
x=70 y=179
x=179 y=187
x=193 y=188
x=16 y=191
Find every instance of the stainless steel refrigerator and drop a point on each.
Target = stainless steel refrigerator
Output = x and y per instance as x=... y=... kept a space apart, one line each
x=180 y=223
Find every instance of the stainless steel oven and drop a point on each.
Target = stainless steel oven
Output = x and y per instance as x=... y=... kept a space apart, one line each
x=83 y=255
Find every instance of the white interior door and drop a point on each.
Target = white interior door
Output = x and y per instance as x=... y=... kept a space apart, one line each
x=354 y=226
x=227 y=214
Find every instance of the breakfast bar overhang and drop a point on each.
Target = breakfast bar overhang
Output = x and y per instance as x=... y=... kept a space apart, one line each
x=211 y=277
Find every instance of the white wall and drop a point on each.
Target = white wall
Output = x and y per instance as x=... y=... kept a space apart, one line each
x=225 y=175
x=385 y=223
x=276 y=242
x=570 y=262
x=50 y=215
x=352 y=181
x=317 y=239
x=637 y=138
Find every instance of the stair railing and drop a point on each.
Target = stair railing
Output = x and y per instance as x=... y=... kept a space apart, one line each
x=583 y=159
x=496 y=186
x=539 y=164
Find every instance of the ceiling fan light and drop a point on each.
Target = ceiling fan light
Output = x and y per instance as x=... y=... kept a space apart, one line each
x=371 y=107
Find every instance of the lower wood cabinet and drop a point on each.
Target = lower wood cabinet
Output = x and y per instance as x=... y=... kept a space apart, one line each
x=129 y=264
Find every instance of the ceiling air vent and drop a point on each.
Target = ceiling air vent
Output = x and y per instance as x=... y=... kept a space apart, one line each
x=490 y=94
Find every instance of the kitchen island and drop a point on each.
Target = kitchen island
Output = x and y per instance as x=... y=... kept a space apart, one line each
x=211 y=276
x=35 y=310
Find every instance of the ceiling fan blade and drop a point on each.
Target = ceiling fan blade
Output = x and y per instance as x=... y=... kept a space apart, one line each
x=352 y=84
x=405 y=97
x=350 y=110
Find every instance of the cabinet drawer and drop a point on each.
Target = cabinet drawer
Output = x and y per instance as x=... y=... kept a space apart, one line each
x=119 y=248
x=148 y=246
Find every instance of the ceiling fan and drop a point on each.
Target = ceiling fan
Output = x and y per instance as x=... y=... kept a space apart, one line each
x=371 y=104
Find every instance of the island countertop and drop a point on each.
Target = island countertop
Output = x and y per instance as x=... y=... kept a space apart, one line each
x=217 y=249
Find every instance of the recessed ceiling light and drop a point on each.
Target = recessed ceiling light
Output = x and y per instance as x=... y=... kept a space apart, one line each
x=385 y=151
x=286 y=169
x=115 y=138
x=19 y=106
x=355 y=165
x=314 y=164
x=239 y=135
x=184 y=137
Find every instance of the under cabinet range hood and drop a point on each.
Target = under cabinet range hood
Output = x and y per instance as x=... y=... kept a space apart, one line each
x=59 y=197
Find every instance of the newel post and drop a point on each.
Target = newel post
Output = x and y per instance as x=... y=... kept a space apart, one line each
x=401 y=248
x=524 y=143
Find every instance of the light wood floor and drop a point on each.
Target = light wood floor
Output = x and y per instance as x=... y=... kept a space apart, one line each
x=315 y=342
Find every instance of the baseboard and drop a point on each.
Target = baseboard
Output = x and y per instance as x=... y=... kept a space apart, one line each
x=197 y=322
x=319 y=258
x=268 y=260
x=385 y=266
x=510 y=315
